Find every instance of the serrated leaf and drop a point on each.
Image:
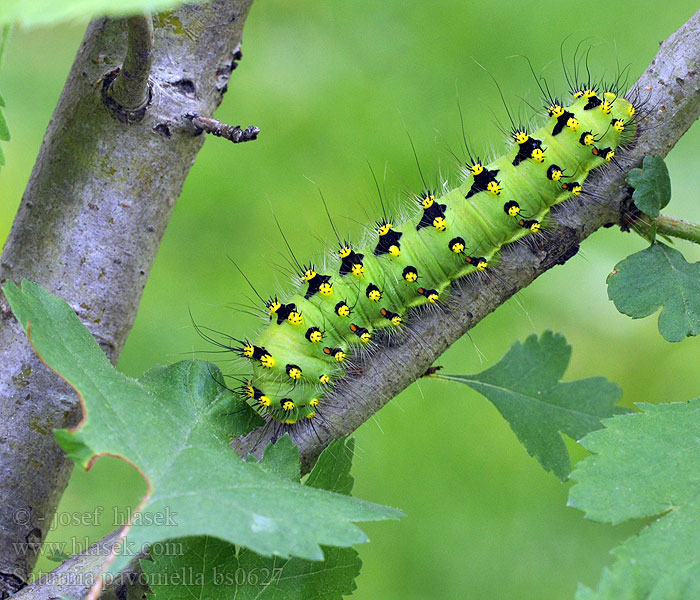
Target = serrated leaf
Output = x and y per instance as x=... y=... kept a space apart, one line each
x=657 y=277
x=282 y=458
x=43 y=12
x=214 y=569
x=525 y=387
x=652 y=185
x=170 y=426
x=332 y=469
x=646 y=464
x=205 y=567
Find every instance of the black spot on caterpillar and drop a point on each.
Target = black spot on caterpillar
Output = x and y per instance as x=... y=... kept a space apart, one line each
x=413 y=262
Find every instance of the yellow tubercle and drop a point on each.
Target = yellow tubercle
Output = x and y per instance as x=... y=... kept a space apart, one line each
x=439 y=223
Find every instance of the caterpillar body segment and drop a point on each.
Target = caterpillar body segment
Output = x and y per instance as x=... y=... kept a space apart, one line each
x=338 y=309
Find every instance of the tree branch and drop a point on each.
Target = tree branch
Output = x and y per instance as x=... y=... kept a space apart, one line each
x=88 y=229
x=130 y=89
x=670 y=88
x=669 y=91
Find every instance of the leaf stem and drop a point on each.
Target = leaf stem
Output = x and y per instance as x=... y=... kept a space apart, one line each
x=679 y=228
x=672 y=227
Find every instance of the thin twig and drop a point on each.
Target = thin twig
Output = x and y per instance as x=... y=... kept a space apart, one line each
x=130 y=89
x=233 y=133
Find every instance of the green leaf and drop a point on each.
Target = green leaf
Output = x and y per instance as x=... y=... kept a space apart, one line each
x=173 y=426
x=525 y=387
x=656 y=277
x=204 y=567
x=332 y=469
x=282 y=458
x=4 y=131
x=4 y=36
x=214 y=569
x=43 y=12
x=652 y=185
x=646 y=464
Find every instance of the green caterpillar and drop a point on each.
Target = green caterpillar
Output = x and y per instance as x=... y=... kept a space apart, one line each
x=335 y=313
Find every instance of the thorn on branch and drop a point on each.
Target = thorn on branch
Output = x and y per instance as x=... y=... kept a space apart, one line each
x=127 y=91
x=432 y=370
x=234 y=133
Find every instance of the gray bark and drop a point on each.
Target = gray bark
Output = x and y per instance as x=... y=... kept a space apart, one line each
x=88 y=229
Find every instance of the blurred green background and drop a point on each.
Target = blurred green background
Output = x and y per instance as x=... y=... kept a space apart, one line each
x=334 y=85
